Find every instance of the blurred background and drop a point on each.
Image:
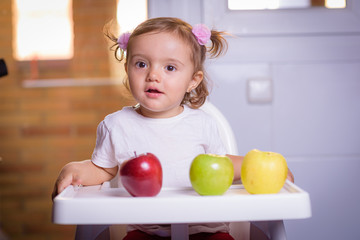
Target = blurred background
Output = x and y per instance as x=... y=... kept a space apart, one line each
x=289 y=83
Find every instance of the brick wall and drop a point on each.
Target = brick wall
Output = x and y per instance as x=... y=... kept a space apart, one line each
x=41 y=129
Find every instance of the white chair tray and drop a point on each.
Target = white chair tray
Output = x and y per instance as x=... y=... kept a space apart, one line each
x=102 y=204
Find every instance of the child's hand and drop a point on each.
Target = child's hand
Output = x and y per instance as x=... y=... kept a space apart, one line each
x=290 y=176
x=83 y=172
x=66 y=177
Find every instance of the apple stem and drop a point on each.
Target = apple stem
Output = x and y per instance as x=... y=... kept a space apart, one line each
x=135 y=154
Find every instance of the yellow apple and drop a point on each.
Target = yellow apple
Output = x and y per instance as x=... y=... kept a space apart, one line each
x=263 y=172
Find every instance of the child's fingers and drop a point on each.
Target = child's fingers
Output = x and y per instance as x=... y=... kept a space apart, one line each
x=290 y=176
x=76 y=182
x=54 y=193
x=61 y=184
x=64 y=183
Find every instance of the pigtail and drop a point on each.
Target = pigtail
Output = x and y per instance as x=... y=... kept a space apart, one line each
x=118 y=53
x=219 y=44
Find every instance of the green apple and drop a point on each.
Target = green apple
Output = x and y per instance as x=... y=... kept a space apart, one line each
x=263 y=172
x=211 y=174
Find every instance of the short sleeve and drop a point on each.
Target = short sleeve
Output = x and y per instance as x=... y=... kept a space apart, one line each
x=104 y=152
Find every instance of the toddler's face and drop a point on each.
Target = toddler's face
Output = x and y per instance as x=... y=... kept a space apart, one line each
x=160 y=72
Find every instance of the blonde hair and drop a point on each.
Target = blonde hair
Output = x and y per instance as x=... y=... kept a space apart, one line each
x=196 y=97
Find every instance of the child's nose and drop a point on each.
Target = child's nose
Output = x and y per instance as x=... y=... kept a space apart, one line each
x=153 y=75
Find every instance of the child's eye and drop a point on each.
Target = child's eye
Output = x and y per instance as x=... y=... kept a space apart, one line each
x=140 y=64
x=170 y=68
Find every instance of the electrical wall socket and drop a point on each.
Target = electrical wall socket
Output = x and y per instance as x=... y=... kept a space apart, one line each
x=259 y=90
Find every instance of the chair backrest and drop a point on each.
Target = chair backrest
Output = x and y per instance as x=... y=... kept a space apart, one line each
x=224 y=127
x=239 y=230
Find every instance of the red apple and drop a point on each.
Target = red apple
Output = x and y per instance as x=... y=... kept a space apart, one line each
x=142 y=175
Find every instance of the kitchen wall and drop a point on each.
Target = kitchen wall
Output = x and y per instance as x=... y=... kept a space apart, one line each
x=43 y=128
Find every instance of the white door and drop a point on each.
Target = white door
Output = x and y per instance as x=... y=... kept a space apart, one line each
x=309 y=59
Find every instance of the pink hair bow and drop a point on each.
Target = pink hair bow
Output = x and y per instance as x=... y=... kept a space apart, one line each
x=123 y=40
x=202 y=33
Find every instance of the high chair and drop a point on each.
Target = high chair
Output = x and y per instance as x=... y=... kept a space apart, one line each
x=293 y=207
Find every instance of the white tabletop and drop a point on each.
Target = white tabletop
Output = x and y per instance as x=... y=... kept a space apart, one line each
x=102 y=204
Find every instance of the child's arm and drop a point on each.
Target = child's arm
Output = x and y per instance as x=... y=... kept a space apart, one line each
x=237 y=162
x=85 y=173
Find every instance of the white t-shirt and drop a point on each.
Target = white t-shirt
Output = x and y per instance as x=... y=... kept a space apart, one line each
x=176 y=141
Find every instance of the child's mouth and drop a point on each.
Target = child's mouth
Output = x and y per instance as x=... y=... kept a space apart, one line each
x=153 y=91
